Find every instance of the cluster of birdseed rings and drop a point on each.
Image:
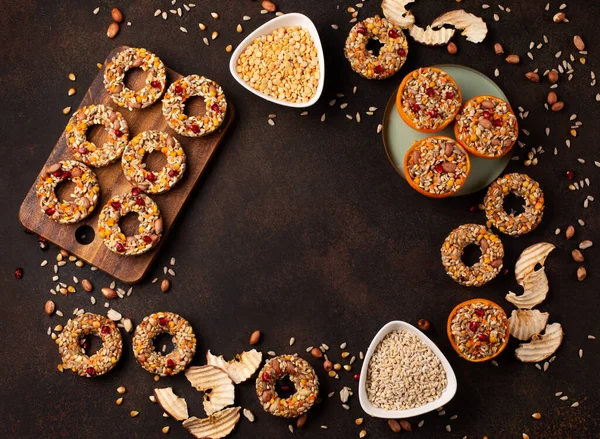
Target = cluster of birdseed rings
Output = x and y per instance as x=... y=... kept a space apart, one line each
x=428 y=99
x=131 y=58
x=392 y=53
x=183 y=338
x=83 y=199
x=173 y=106
x=135 y=169
x=487 y=127
x=302 y=376
x=436 y=166
x=73 y=354
x=490 y=261
x=523 y=186
x=87 y=152
x=150 y=228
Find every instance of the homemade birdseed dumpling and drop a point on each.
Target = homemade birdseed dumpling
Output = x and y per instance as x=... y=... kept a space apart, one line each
x=428 y=99
x=392 y=54
x=283 y=64
x=436 y=166
x=487 y=127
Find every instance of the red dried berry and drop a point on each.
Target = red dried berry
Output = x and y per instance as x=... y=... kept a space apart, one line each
x=473 y=326
x=378 y=69
x=156 y=84
x=170 y=363
x=215 y=108
x=146 y=239
x=449 y=95
x=120 y=247
x=140 y=202
x=357 y=376
x=479 y=312
x=486 y=114
x=361 y=30
x=150 y=177
x=392 y=33
x=415 y=107
x=172 y=173
x=162 y=321
x=57 y=173
x=66 y=175
x=116 y=205
x=19 y=273
x=51 y=211
x=91 y=371
x=118 y=133
x=401 y=52
x=430 y=91
x=570 y=175
x=136 y=191
x=482 y=337
x=438 y=168
x=195 y=128
x=266 y=376
x=178 y=89
x=432 y=113
x=105 y=330
x=82 y=150
x=497 y=122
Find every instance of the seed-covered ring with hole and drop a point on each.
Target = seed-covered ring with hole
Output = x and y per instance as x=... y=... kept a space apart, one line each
x=131 y=58
x=87 y=152
x=523 y=186
x=149 y=230
x=71 y=348
x=173 y=106
x=184 y=340
x=301 y=375
x=82 y=201
x=490 y=261
x=135 y=168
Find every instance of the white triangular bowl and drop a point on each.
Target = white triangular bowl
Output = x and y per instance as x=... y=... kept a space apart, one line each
x=447 y=394
x=286 y=20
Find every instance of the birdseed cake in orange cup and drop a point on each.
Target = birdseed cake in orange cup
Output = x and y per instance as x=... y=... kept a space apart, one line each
x=487 y=127
x=436 y=166
x=428 y=99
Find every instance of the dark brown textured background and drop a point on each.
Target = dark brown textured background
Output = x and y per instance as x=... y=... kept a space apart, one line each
x=303 y=229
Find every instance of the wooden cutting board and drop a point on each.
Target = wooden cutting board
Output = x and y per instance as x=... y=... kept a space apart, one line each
x=81 y=239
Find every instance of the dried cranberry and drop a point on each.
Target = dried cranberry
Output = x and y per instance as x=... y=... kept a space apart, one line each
x=357 y=376
x=156 y=84
x=497 y=122
x=195 y=128
x=151 y=177
x=118 y=133
x=172 y=173
x=82 y=150
x=449 y=95
x=51 y=211
x=479 y=312
x=170 y=363
x=415 y=107
x=120 y=247
x=266 y=376
x=66 y=175
x=432 y=113
x=140 y=202
x=105 y=330
x=392 y=33
x=136 y=191
x=147 y=239
x=482 y=337
x=486 y=114
x=116 y=205
x=40 y=238
x=430 y=91
x=162 y=321
x=401 y=52
x=361 y=30
x=19 y=273
x=178 y=89
x=57 y=173
x=91 y=371
x=215 y=108
x=473 y=326
x=378 y=69
x=438 y=168
x=84 y=346
x=570 y=175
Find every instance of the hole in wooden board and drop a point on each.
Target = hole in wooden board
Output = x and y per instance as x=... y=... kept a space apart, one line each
x=161 y=340
x=98 y=135
x=130 y=224
x=471 y=254
x=135 y=79
x=195 y=106
x=85 y=234
x=513 y=204
x=64 y=190
x=155 y=161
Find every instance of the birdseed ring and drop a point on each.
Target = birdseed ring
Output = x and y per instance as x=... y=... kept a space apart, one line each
x=302 y=376
x=131 y=58
x=134 y=167
x=490 y=261
x=87 y=152
x=83 y=199
x=523 y=186
x=184 y=340
x=150 y=229
x=73 y=354
x=392 y=54
x=173 y=106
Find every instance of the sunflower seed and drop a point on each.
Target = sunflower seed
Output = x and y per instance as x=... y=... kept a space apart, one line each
x=323 y=116
x=575 y=404
x=292 y=341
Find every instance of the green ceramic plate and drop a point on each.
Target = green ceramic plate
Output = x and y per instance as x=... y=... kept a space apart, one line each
x=399 y=137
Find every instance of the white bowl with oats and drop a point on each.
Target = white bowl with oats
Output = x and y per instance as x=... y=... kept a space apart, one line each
x=269 y=78
x=399 y=353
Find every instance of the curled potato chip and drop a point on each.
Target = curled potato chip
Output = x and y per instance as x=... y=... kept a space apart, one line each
x=215 y=426
x=535 y=289
x=472 y=26
x=396 y=12
x=173 y=405
x=530 y=257
x=215 y=383
x=541 y=346
x=242 y=367
x=430 y=36
x=525 y=323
